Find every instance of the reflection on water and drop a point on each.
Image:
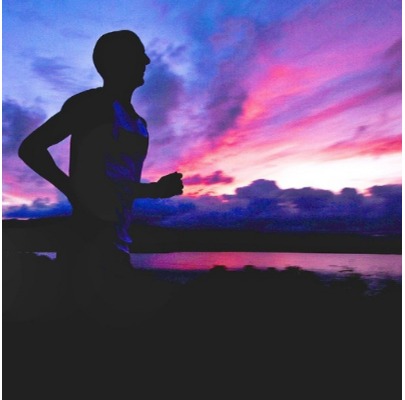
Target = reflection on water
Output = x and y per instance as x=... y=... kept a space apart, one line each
x=371 y=265
x=365 y=264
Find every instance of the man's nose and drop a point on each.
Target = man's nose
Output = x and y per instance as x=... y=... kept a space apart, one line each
x=147 y=60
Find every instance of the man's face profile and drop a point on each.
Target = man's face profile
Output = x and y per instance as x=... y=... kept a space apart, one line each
x=131 y=65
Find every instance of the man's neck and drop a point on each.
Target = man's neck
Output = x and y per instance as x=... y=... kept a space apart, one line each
x=122 y=94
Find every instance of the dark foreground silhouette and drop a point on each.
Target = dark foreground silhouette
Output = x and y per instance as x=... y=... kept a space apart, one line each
x=256 y=334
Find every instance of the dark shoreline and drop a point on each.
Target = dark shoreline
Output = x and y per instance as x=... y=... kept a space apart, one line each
x=47 y=234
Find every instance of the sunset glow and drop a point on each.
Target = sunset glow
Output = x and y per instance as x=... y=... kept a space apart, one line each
x=303 y=93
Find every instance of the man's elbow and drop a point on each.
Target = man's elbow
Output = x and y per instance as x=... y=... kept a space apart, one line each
x=27 y=150
x=24 y=150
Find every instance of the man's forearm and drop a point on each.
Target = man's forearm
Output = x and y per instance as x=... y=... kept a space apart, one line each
x=146 y=190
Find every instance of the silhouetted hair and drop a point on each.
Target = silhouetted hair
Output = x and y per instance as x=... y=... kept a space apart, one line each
x=112 y=48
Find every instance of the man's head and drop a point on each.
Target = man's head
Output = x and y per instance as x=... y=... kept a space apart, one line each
x=120 y=58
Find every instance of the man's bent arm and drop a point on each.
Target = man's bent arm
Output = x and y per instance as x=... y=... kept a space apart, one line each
x=34 y=152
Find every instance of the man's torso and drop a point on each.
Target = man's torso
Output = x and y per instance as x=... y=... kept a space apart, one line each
x=108 y=146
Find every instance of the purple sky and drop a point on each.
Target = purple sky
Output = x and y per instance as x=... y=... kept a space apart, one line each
x=303 y=93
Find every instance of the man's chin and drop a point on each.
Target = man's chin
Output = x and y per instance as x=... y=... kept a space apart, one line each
x=139 y=82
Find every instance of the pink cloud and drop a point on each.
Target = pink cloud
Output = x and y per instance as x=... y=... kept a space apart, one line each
x=365 y=147
x=213 y=179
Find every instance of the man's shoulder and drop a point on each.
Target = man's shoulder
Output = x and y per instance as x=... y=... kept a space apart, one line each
x=86 y=100
x=88 y=109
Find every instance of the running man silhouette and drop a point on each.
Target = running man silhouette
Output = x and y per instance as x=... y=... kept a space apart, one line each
x=109 y=143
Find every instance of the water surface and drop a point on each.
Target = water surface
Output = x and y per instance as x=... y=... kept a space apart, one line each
x=368 y=265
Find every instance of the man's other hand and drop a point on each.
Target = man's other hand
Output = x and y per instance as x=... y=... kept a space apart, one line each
x=170 y=185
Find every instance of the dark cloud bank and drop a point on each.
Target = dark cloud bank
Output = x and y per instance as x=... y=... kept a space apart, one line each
x=18 y=122
x=262 y=206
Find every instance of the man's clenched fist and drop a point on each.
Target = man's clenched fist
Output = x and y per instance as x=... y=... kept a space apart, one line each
x=169 y=185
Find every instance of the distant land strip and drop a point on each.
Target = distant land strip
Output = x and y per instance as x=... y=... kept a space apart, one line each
x=47 y=235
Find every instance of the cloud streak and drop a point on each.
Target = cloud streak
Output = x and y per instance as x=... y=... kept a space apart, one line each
x=54 y=71
x=215 y=178
x=359 y=147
